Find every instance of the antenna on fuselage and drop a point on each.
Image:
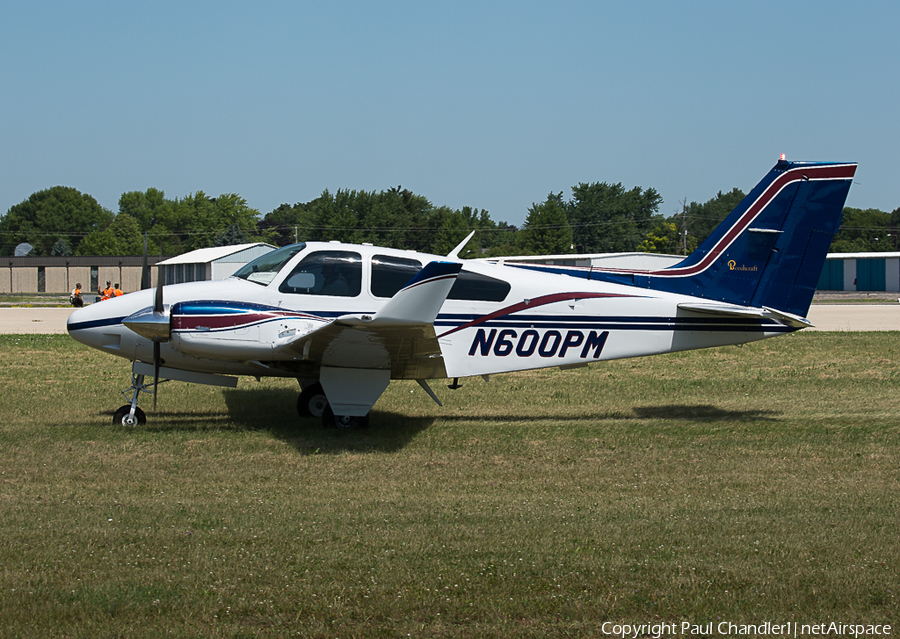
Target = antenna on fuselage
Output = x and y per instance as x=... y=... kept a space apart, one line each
x=454 y=254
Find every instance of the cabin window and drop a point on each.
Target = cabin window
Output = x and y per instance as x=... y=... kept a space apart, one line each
x=335 y=273
x=263 y=269
x=390 y=274
x=478 y=288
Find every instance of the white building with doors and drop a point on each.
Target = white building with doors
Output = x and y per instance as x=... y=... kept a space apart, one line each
x=214 y=263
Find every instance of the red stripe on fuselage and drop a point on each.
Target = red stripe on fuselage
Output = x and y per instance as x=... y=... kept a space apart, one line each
x=236 y=320
x=531 y=304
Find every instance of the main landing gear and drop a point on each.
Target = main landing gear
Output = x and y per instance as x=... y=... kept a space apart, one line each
x=312 y=402
x=130 y=414
x=344 y=422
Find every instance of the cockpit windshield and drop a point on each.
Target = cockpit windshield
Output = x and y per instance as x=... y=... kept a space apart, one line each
x=263 y=269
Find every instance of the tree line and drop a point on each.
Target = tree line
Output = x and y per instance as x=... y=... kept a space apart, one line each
x=597 y=217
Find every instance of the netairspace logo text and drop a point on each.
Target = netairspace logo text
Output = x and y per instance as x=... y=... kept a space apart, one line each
x=728 y=629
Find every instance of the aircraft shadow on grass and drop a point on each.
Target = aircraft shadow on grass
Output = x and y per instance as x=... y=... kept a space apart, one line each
x=272 y=410
x=705 y=413
x=699 y=413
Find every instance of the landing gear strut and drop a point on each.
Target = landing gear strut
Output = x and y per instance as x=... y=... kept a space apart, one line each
x=130 y=414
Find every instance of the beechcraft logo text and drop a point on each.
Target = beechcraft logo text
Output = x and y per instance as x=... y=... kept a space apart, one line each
x=732 y=266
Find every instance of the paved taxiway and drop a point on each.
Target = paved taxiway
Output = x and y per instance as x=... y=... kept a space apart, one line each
x=825 y=317
x=33 y=320
x=855 y=317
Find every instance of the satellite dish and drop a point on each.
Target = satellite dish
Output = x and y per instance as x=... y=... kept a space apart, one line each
x=23 y=249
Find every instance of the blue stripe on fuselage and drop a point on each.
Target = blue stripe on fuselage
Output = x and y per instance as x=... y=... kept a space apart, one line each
x=698 y=324
x=106 y=321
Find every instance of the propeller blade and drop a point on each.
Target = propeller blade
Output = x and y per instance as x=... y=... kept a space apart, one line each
x=156 y=361
x=158 y=304
x=160 y=309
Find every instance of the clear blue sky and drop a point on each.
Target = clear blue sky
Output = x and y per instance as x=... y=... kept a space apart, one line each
x=487 y=104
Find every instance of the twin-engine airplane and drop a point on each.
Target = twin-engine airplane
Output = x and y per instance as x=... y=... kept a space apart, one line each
x=346 y=319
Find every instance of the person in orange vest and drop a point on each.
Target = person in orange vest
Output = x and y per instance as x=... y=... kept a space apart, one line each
x=108 y=292
x=75 y=298
x=117 y=291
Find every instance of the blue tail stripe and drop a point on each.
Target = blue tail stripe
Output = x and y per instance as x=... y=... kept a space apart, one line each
x=770 y=250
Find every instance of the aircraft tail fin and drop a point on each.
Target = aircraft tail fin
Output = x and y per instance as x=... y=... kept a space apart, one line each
x=769 y=251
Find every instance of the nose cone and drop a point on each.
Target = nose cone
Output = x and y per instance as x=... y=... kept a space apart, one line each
x=90 y=317
x=77 y=319
x=87 y=323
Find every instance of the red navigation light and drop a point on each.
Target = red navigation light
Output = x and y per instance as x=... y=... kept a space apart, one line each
x=782 y=157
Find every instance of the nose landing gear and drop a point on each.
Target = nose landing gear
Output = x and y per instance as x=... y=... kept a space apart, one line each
x=124 y=416
x=130 y=414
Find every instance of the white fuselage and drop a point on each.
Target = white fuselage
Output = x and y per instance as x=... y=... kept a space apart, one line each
x=543 y=320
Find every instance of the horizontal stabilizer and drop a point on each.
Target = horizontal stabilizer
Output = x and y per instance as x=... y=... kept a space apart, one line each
x=725 y=310
x=789 y=319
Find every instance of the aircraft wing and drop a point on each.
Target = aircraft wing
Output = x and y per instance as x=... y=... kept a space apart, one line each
x=400 y=337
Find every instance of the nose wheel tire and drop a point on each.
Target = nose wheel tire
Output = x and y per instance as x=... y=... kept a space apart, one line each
x=312 y=401
x=122 y=417
x=344 y=422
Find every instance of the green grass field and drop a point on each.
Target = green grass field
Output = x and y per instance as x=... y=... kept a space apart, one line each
x=735 y=484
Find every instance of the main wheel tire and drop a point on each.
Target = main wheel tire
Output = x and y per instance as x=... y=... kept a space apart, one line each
x=344 y=422
x=312 y=401
x=122 y=416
